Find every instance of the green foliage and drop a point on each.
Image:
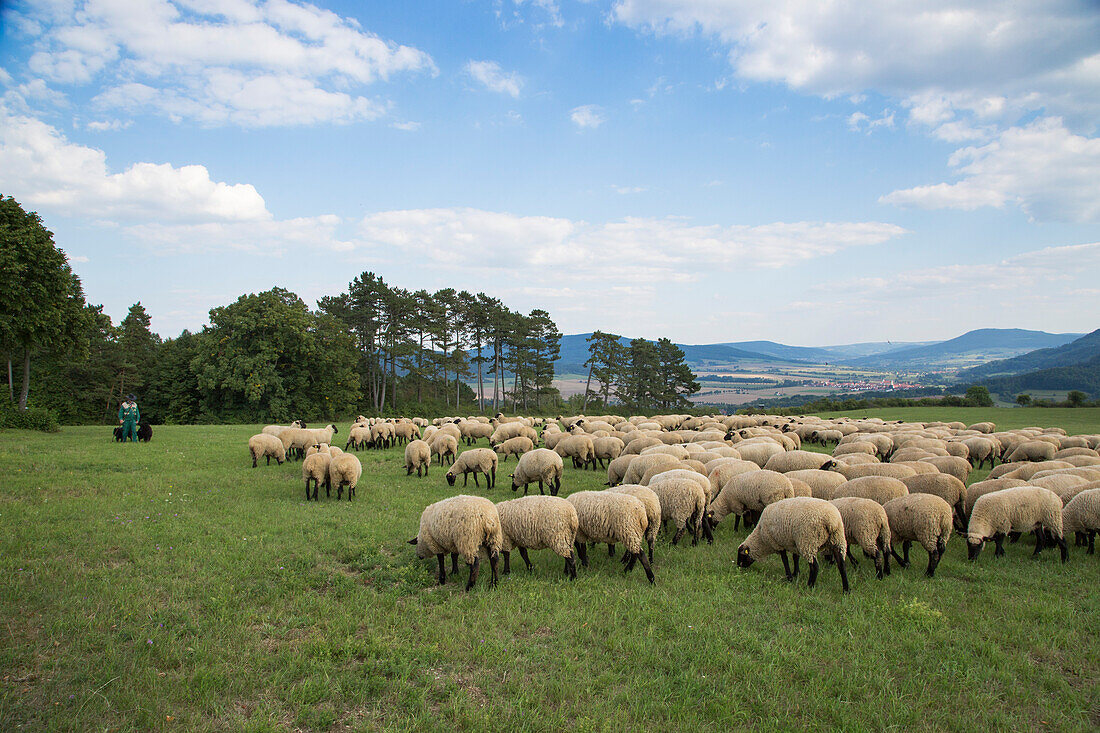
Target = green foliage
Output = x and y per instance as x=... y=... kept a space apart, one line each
x=979 y=396
x=1076 y=398
x=32 y=418
x=1023 y=400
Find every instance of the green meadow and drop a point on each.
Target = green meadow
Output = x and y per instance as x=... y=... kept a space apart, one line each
x=170 y=586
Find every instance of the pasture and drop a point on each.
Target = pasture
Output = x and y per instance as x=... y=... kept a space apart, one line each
x=170 y=586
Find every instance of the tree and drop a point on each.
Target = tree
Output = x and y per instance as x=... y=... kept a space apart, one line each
x=978 y=396
x=675 y=381
x=638 y=374
x=1076 y=398
x=1023 y=400
x=41 y=301
x=136 y=351
x=605 y=355
x=545 y=349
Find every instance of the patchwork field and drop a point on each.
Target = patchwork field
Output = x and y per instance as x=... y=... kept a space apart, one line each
x=170 y=586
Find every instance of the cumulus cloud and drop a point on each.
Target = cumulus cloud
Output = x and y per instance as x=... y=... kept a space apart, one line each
x=1043 y=168
x=860 y=122
x=245 y=63
x=588 y=116
x=490 y=75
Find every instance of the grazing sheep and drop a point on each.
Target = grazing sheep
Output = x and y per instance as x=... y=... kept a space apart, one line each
x=1022 y=509
x=542 y=465
x=418 y=455
x=612 y=518
x=802 y=525
x=461 y=525
x=315 y=469
x=947 y=487
x=980 y=448
x=608 y=449
x=924 y=518
x=890 y=470
x=1033 y=450
x=637 y=445
x=652 y=505
x=981 y=488
x=344 y=469
x=617 y=469
x=758 y=453
x=537 y=523
x=358 y=436
x=748 y=492
x=983 y=427
x=826 y=436
x=444 y=446
x=866 y=526
x=277 y=430
x=678 y=452
x=475 y=461
x=472 y=431
x=855 y=447
x=580 y=448
x=798 y=460
x=951 y=465
x=1082 y=517
x=855 y=459
x=1028 y=470
x=823 y=484
x=880 y=488
x=265 y=445
x=723 y=470
x=683 y=503
x=638 y=467
x=516 y=446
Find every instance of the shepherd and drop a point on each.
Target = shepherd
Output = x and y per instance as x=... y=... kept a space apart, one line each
x=128 y=416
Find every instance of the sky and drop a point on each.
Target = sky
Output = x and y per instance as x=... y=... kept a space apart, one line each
x=807 y=172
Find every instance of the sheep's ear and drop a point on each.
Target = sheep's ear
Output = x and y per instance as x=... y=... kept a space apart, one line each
x=414 y=540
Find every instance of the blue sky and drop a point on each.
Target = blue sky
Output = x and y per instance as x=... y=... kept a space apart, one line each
x=807 y=172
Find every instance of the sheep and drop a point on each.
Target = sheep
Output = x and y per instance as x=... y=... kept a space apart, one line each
x=951 y=465
x=802 y=525
x=344 y=469
x=537 y=523
x=265 y=445
x=317 y=448
x=382 y=435
x=652 y=504
x=758 y=453
x=981 y=488
x=826 y=436
x=748 y=492
x=358 y=436
x=890 y=470
x=924 y=518
x=1022 y=509
x=315 y=469
x=637 y=445
x=1033 y=450
x=405 y=431
x=1028 y=470
x=880 y=488
x=296 y=440
x=866 y=525
x=983 y=427
x=683 y=503
x=542 y=465
x=616 y=469
x=981 y=448
x=452 y=430
x=516 y=446
x=472 y=431
x=678 y=452
x=444 y=446
x=580 y=448
x=418 y=455
x=277 y=430
x=947 y=487
x=475 y=461
x=641 y=464
x=722 y=471
x=1082 y=516
x=608 y=449
x=798 y=460
x=612 y=518
x=461 y=525
x=853 y=459
x=855 y=447
x=823 y=484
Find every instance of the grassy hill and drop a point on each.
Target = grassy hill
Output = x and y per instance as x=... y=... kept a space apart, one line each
x=1077 y=351
x=981 y=344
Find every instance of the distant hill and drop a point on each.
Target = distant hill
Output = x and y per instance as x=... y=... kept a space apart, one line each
x=1084 y=376
x=823 y=354
x=574 y=352
x=981 y=345
x=869 y=348
x=1075 y=352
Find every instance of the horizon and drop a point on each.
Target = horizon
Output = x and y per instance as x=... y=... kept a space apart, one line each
x=669 y=168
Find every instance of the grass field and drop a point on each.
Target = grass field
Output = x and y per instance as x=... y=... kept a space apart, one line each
x=169 y=586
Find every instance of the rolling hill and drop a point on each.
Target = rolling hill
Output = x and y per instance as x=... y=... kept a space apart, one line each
x=1075 y=352
x=973 y=346
x=574 y=352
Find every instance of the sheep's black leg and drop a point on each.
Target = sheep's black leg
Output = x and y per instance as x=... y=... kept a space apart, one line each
x=475 y=481
x=840 y=566
x=736 y=521
x=526 y=560
x=1038 y=542
x=1013 y=537
x=492 y=570
x=813 y=572
x=454 y=563
x=651 y=550
x=1092 y=538
x=507 y=562
x=646 y=567
x=571 y=566
x=583 y=552
x=679 y=533
x=878 y=563
x=1061 y=541
x=786 y=564
x=999 y=540
x=493 y=478
x=708 y=531
x=628 y=560
x=466 y=479
x=473 y=573
x=898 y=557
x=695 y=532
x=442 y=569
x=885 y=560
x=1078 y=539
x=610 y=549
x=795 y=565
x=933 y=561
x=905 y=551
x=540 y=488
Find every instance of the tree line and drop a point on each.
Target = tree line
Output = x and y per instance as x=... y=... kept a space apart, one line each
x=638 y=375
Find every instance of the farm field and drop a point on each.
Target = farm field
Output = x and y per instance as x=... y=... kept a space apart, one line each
x=170 y=586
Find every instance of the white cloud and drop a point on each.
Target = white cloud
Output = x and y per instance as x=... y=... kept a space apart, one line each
x=628 y=189
x=588 y=116
x=38 y=164
x=489 y=74
x=858 y=121
x=1043 y=168
x=104 y=125
x=244 y=63
x=77 y=258
x=407 y=126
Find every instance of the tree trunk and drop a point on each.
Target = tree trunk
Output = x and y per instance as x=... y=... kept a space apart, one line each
x=26 y=379
x=393 y=382
x=11 y=383
x=496 y=374
x=584 y=405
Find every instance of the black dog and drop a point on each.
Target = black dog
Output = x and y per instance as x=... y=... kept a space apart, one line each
x=118 y=434
x=144 y=431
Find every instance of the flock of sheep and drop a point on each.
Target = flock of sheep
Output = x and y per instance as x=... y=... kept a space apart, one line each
x=885 y=484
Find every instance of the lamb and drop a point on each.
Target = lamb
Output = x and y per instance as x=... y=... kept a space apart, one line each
x=537 y=523
x=748 y=492
x=823 y=484
x=1082 y=516
x=798 y=460
x=265 y=445
x=1022 y=509
x=343 y=469
x=418 y=455
x=924 y=518
x=866 y=525
x=947 y=487
x=444 y=446
x=652 y=504
x=542 y=465
x=580 y=448
x=461 y=525
x=612 y=518
x=802 y=525
x=315 y=469
x=880 y=488
x=1033 y=450
x=516 y=446
x=475 y=461
x=683 y=503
